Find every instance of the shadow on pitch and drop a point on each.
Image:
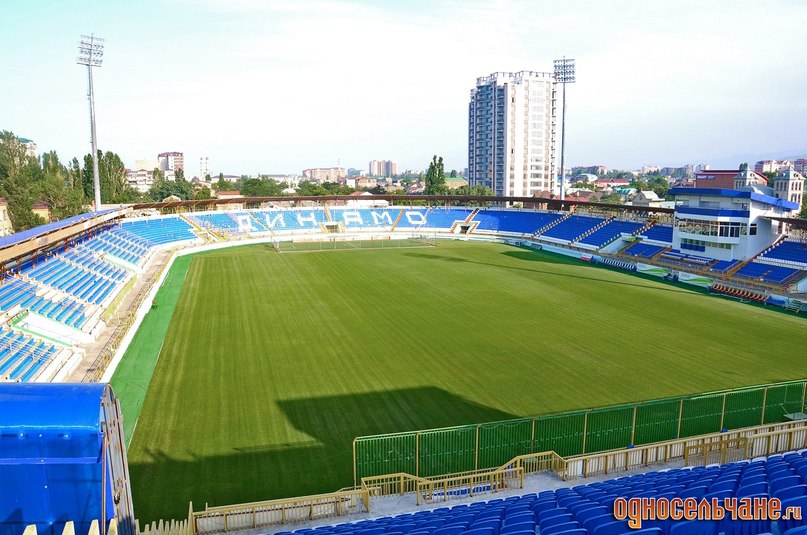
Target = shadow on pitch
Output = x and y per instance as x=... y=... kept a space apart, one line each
x=320 y=461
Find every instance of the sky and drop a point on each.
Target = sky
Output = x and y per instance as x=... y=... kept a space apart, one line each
x=263 y=86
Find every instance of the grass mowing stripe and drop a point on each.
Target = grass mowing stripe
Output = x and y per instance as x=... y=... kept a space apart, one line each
x=273 y=363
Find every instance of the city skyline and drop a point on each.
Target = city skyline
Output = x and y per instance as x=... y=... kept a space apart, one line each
x=283 y=86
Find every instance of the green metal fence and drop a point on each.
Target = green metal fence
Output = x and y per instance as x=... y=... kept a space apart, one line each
x=473 y=447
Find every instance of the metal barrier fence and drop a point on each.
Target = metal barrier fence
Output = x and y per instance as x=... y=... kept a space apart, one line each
x=475 y=447
x=732 y=445
x=705 y=449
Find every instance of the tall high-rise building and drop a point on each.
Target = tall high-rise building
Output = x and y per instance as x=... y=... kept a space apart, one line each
x=511 y=133
x=171 y=161
x=204 y=167
x=385 y=168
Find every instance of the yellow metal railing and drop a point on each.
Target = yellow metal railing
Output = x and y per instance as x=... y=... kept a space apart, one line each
x=725 y=451
x=391 y=484
x=273 y=512
x=716 y=447
x=533 y=463
x=469 y=484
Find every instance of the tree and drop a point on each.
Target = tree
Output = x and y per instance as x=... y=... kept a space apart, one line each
x=659 y=185
x=200 y=192
x=112 y=177
x=611 y=198
x=477 y=191
x=157 y=175
x=584 y=185
x=166 y=188
x=54 y=186
x=436 y=177
x=18 y=172
x=260 y=187
x=309 y=189
x=179 y=174
x=223 y=185
x=453 y=173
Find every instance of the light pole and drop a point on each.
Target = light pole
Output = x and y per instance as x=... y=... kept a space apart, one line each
x=564 y=74
x=91 y=53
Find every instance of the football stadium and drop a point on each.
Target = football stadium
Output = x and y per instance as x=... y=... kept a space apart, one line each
x=422 y=365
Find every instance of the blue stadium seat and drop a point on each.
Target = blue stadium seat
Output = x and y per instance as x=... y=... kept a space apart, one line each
x=611 y=231
x=789 y=251
x=161 y=230
x=660 y=233
x=514 y=222
x=759 y=271
x=643 y=250
x=572 y=227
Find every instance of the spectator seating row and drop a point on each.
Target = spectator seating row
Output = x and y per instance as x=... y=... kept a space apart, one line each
x=722 y=267
x=572 y=227
x=589 y=509
x=789 y=251
x=15 y=291
x=94 y=264
x=114 y=243
x=228 y=222
x=514 y=222
x=22 y=357
x=291 y=220
x=160 y=231
x=660 y=233
x=83 y=284
x=442 y=218
x=680 y=257
x=612 y=230
x=369 y=218
x=767 y=272
x=643 y=250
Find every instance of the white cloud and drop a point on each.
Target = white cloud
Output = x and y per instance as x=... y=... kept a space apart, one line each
x=277 y=86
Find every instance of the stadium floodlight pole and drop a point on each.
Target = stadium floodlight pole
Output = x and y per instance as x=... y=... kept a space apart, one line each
x=564 y=74
x=91 y=53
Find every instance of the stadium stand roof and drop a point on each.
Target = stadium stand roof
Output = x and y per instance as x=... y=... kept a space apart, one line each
x=552 y=203
x=25 y=235
x=739 y=194
x=795 y=222
x=27 y=241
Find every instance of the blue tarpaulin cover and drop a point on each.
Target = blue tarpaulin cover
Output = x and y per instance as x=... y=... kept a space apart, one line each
x=50 y=456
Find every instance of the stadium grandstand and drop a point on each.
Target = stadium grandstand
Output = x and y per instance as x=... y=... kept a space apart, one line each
x=74 y=292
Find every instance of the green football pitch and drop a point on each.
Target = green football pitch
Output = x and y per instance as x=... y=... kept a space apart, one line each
x=273 y=362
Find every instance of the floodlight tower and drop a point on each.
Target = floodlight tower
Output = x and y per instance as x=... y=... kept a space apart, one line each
x=564 y=74
x=91 y=53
